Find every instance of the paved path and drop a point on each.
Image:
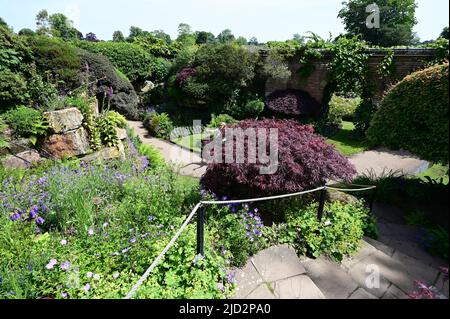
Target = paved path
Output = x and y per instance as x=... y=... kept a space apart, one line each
x=188 y=163
x=382 y=160
x=375 y=161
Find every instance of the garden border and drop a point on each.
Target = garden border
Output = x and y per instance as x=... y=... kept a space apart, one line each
x=201 y=221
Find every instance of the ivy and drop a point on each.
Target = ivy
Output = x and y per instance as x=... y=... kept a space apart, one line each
x=387 y=65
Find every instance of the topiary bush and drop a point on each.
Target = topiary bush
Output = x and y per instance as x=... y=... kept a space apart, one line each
x=414 y=115
x=292 y=102
x=100 y=71
x=305 y=161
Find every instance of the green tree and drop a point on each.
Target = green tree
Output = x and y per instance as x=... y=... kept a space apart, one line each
x=253 y=41
x=185 y=34
x=42 y=23
x=118 y=36
x=241 y=41
x=135 y=32
x=204 y=37
x=26 y=32
x=444 y=34
x=226 y=36
x=160 y=34
x=3 y=22
x=396 y=21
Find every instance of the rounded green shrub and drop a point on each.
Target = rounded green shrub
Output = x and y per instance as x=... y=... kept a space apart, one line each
x=26 y=121
x=414 y=115
x=158 y=125
x=102 y=73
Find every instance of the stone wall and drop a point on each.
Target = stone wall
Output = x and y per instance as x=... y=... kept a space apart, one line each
x=406 y=61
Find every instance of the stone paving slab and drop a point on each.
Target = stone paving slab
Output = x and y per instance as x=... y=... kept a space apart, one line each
x=330 y=278
x=299 y=287
x=263 y=292
x=278 y=262
x=390 y=271
x=394 y=293
x=247 y=280
x=365 y=251
x=415 y=268
x=380 y=246
x=360 y=293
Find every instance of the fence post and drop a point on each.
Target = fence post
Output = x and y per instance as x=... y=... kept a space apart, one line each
x=372 y=200
x=321 y=204
x=201 y=231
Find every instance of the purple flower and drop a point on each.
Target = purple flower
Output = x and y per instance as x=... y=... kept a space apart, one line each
x=231 y=277
x=133 y=240
x=40 y=221
x=15 y=217
x=63 y=242
x=109 y=92
x=144 y=163
x=64 y=294
x=42 y=181
x=90 y=232
x=151 y=218
x=51 y=264
x=124 y=251
x=65 y=265
x=33 y=212
x=89 y=274
x=86 y=287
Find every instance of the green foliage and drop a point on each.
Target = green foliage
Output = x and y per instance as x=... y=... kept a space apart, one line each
x=118 y=36
x=441 y=53
x=217 y=121
x=387 y=65
x=116 y=119
x=58 y=60
x=136 y=63
x=26 y=122
x=348 y=68
x=13 y=89
x=3 y=142
x=106 y=127
x=397 y=20
x=159 y=125
x=56 y=25
x=413 y=115
x=153 y=155
x=340 y=108
x=436 y=241
x=337 y=236
x=102 y=74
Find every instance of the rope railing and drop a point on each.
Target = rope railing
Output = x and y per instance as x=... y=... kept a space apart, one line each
x=201 y=220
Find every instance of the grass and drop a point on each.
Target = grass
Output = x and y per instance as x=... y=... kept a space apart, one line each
x=346 y=142
x=436 y=172
x=192 y=142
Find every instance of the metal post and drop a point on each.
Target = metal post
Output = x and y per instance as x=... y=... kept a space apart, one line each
x=372 y=200
x=201 y=231
x=321 y=204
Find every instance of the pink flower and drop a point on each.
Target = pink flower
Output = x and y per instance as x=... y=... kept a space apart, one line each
x=86 y=287
x=63 y=242
x=51 y=264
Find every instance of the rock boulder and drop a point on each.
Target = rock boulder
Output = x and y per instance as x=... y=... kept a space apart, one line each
x=64 y=120
x=69 y=144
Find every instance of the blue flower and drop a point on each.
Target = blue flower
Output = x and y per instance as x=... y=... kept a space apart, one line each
x=33 y=212
x=15 y=217
x=40 y=220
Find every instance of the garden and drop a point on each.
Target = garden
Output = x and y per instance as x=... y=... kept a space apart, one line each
x=87 y=204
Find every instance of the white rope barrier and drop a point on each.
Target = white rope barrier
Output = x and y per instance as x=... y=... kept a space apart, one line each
x=161 y=255
x=141 y=280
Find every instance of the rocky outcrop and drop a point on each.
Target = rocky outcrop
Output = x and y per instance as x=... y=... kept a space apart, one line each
x=121 y=133
x=64 y=120
x=21 y=160
x=106 y=154
x=69 y=144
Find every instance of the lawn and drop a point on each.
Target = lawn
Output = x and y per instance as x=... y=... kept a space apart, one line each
x=436 y=172
x=346 y=142
x=192 y=142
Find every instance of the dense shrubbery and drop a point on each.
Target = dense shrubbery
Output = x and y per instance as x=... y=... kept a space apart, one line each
x=101 y=72
x=132 y=60
x=292 y=102
x=414 y=115
x=217 y=121
x=305 y=161
x=340 y=238
x=222 y=73
x=158 y=125
x=58 y=60
x=26 y=122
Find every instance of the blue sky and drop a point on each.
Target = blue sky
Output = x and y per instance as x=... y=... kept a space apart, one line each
x=265 y=19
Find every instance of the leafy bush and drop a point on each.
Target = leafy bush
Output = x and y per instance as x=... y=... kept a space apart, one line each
x=101 y=72
x=241 y=230
x=216 y=121
x=26 y=122
x=292 y=102
x=338 y=235
x=58 y=59
x=159 y=125
x=129 y=58
x=414 y=115
x=220 y=70
x=117 y=119
x=339 y=109
x=106 y=128
x=305 y=161
x=184 y=75
x=245 y=109
x=79 y=231
x=13 y=89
